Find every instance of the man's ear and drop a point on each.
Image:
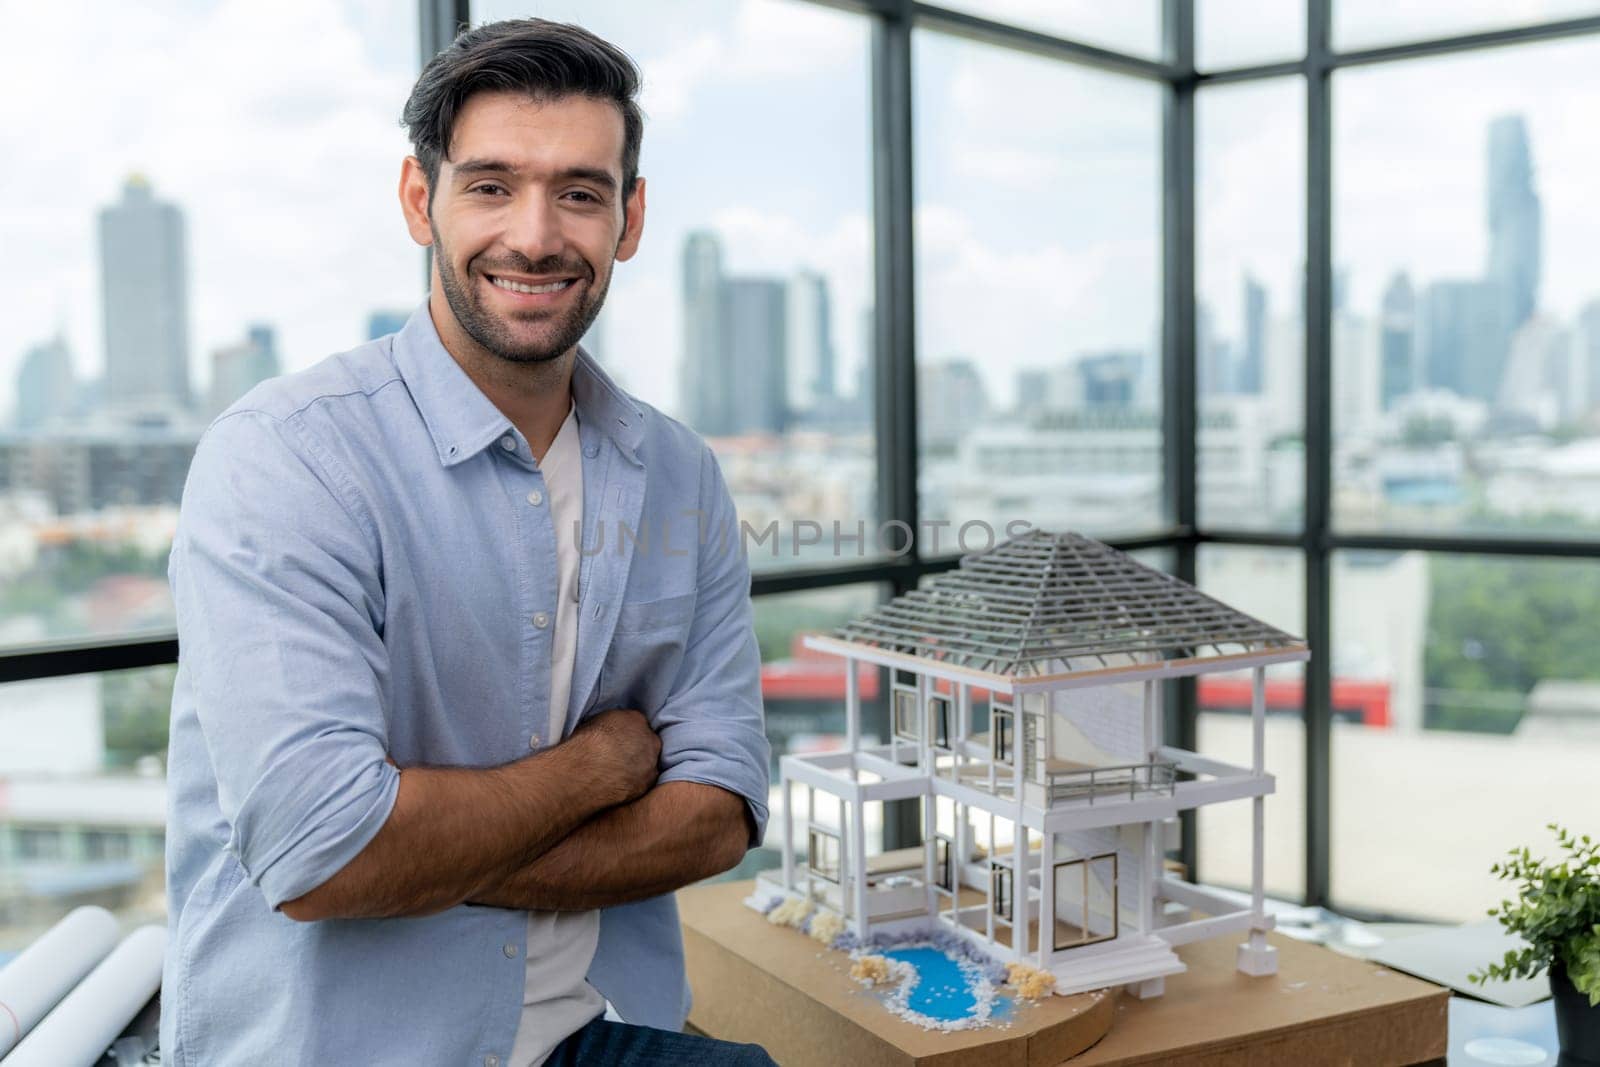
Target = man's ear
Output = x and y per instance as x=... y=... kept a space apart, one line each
x=414 y=201
x=632 y=222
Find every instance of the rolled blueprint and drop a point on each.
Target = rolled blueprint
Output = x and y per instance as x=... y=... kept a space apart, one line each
x=48 y=969
x=83 y=1026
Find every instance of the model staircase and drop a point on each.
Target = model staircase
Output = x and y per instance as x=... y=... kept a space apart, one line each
x=1131 y=958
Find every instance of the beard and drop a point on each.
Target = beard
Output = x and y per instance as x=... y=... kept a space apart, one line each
x=499 y=334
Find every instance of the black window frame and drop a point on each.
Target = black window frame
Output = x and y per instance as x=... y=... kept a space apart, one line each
x=895 y=363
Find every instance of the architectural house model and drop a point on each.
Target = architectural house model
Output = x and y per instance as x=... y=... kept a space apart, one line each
x=1027 y=716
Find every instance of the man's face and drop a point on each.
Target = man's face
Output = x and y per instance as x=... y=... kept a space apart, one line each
x=527 y=220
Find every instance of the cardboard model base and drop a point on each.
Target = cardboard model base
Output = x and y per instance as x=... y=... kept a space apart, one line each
x=754 y=981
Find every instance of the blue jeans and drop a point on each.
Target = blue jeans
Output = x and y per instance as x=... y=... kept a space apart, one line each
x=606 y=1043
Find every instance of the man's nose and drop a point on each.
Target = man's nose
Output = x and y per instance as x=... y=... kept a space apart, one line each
x=535 y=229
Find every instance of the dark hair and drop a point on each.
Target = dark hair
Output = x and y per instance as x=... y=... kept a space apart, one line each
x=546 y=60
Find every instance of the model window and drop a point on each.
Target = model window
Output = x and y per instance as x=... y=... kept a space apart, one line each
x=1085 y=888
x=943 y=876
x=939 y=720
x=823 y=856
x=905 y=715
x=1000 y=890
x=1000 y=735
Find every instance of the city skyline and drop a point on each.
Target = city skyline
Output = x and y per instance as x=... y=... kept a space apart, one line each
x=686 y=75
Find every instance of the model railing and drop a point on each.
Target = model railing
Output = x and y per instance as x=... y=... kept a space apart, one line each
x=1131 y=779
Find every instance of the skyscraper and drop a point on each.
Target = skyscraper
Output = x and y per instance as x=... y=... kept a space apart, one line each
x=1587 y=348
x=237 y=369
x=1515 y=244
x=45 y=386
x=1462 y=348
x=708 y=398
x=756 y=311
x=145 y=290
x=810 y=355
x=951 y=401
x=1214 y=358
x=1109 y=378
x=1253 y=349
x=1397 y=342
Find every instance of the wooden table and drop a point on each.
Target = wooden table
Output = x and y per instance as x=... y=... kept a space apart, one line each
x=757 y=982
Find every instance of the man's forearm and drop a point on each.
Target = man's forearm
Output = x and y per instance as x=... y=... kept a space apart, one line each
x=676 y=834
x=453 y=832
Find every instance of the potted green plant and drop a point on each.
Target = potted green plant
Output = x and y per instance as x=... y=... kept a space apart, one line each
x=1557 y=912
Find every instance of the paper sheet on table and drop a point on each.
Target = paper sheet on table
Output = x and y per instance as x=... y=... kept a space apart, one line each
x=1447 y=956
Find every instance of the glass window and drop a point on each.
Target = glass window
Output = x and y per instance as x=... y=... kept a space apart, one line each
x=167 y=249
x=1270 y=585
x=1249 y=329
x=1242 y=33
x=84 y=813
x=1132 y=27
x=1492 y=731
x=1038 y=300
x=803 y=693
x=1372 y=23
x=747 y=311
x=1466 y=315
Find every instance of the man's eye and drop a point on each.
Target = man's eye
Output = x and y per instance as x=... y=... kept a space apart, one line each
x=487 y=187
x=587 y=196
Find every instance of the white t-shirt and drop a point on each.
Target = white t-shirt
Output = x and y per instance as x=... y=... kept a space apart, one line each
x=557 y=998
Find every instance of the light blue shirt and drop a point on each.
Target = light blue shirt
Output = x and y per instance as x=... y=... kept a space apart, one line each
x=363 y=569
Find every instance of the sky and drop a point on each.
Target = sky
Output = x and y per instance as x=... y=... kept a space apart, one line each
x=1038 y=223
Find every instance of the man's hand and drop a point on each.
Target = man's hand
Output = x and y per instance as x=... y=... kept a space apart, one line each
x=624 y=749
x=677 y=833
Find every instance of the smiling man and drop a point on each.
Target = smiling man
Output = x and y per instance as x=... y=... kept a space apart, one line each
x=441 y=750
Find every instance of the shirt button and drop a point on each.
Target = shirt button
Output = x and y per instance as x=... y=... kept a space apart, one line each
x=510 y=950
x=536 y=498
x=541 y=620
x=591 y=451
x=491 y=1061
x=508 y=443
x=533 y=742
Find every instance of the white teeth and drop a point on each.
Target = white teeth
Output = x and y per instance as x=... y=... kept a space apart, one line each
x=519 y=287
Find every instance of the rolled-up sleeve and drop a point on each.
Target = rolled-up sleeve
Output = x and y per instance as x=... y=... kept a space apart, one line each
x=711 y=724
x=276 y=578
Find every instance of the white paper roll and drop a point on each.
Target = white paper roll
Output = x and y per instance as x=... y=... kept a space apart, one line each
x=48 y=969
x=82 y=1026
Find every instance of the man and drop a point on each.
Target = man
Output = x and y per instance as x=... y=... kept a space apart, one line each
x=436 y=765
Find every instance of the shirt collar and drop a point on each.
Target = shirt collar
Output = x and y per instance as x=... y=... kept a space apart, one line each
x=463 y=421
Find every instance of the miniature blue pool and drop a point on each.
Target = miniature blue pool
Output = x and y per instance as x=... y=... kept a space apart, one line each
x=942 y=991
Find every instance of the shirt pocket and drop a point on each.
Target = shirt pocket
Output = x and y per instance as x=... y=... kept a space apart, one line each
x=646 y=653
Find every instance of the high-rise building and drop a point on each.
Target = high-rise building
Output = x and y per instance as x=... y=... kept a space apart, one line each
x=707 y=402
x=1253 y=347
x=145 y=290
x=1458 y=331
x=1586 y=349
x=951 y=402
x=237 y=369
x=383 y=322
x=1109 y=379
x=756 y=319
x=1214 y=372
x=1542 y=383
x=46 y=390
x=1515 y=243
x=1397 y=342
x=809 y=353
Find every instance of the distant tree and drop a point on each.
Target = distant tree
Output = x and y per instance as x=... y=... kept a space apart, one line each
x=1499 y=626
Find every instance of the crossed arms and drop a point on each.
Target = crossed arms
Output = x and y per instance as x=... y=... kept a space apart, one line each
x=281 y=604
x=578 y=826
